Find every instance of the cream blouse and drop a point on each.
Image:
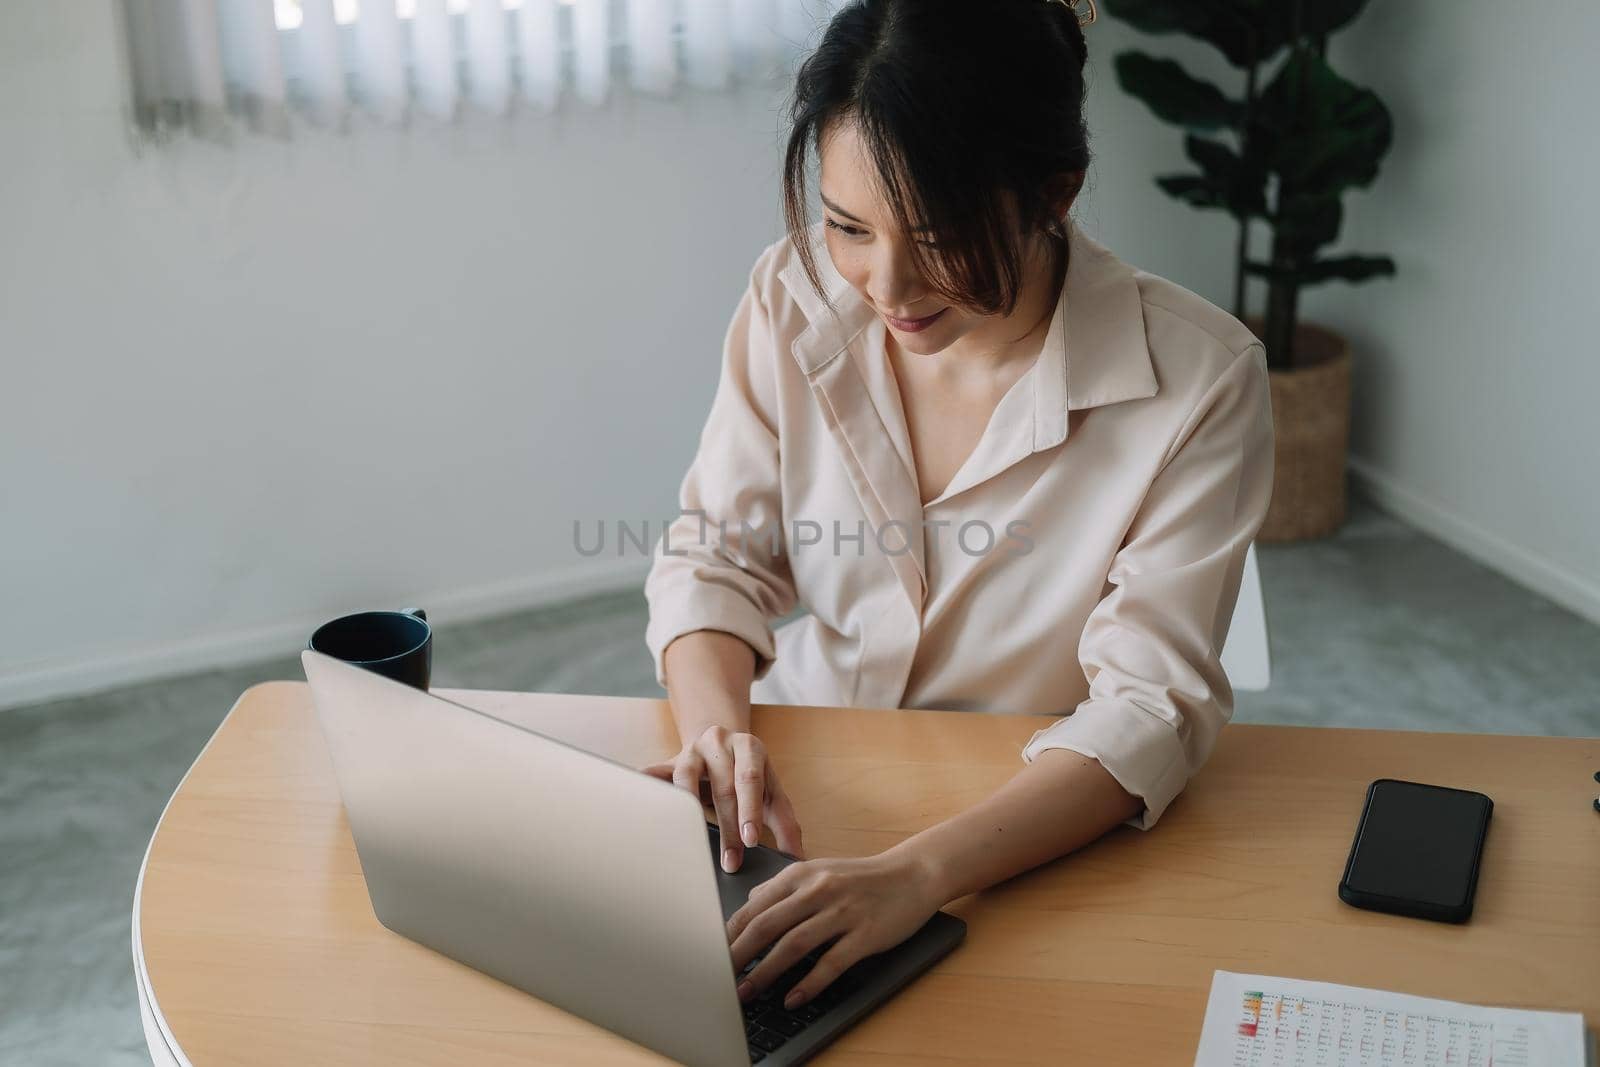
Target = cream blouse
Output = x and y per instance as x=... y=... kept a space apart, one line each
x=1083 y=562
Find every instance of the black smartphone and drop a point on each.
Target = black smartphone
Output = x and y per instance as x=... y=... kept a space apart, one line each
x=1417 y=850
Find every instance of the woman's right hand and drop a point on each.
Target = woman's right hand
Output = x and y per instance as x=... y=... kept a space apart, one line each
x=743 y=787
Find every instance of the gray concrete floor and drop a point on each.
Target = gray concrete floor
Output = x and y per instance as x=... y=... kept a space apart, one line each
x=1378 y=626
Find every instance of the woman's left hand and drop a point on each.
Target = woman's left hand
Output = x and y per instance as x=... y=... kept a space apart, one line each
x=870 y=905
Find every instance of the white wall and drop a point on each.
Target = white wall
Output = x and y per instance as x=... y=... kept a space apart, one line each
x=246 y=389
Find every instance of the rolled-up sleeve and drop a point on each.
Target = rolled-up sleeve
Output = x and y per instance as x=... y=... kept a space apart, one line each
x=722 y=563
x=1151 y=649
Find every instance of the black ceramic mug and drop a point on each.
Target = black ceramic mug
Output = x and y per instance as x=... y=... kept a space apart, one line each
x=395 y=644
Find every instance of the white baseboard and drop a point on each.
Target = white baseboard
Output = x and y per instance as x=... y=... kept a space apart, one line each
x=143 y=663
x=1574 y=592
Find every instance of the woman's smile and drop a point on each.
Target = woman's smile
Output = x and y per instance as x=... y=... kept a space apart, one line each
x=913 y=325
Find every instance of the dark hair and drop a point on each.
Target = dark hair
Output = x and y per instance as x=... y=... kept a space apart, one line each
x=962 y=104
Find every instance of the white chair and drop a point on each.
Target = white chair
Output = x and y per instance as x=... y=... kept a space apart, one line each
x=1245 y=655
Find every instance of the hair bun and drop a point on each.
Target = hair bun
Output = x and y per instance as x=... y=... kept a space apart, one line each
x=1085 y=17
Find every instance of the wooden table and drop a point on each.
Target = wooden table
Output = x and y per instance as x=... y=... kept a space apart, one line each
x=254 y=942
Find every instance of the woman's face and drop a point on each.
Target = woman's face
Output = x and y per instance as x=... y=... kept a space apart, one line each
x=870 y=252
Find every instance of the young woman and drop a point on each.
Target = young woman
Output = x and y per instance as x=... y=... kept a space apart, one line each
x=1002 y=471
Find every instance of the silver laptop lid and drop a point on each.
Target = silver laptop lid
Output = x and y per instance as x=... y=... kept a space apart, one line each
x=568 y=875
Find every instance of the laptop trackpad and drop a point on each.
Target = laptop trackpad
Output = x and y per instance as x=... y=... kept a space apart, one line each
x=760 y=863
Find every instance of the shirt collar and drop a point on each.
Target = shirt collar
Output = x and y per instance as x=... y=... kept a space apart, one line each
x=1095 y=352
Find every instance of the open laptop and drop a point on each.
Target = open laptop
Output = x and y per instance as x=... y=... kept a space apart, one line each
x=573 y=877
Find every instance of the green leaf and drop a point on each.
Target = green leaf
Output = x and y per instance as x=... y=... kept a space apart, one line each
x=1274 y=21
x=1322 y=17
x=1194 y=189
x=1160 y=16
x=1307 y=222
x=1344 y=268
x=1214 y=157
x=1174 y=94
x=1245 y=31
x=1321 y=133
x=1241 y=187
x=1347 y=268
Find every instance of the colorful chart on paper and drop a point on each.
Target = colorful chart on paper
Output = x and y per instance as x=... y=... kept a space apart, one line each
x=1260 y=1021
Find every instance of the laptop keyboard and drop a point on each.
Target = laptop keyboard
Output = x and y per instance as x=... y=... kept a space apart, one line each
x=768 y=1025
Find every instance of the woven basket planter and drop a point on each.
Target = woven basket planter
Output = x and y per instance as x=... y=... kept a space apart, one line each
x=1311 y=427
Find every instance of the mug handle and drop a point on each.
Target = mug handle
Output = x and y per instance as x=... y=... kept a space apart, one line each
x=418 y=612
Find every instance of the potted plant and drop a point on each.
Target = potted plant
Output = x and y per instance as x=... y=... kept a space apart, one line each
x=1296 y=137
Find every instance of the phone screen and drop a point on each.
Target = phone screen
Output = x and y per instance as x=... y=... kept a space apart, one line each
x=1419 y=843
